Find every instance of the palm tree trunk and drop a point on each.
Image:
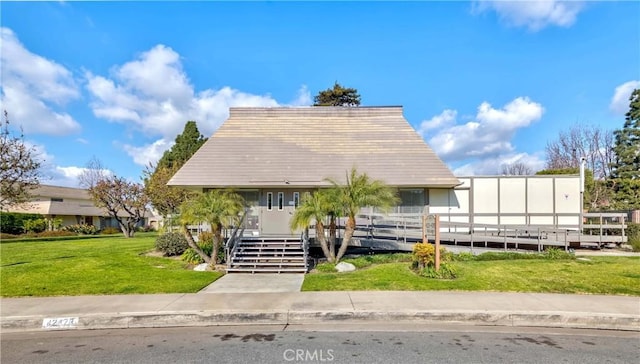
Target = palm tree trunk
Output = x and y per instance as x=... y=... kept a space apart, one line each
x=332 y=236
x=195 y=246
x=349 y=229
x=217 y=238
x=323 y=242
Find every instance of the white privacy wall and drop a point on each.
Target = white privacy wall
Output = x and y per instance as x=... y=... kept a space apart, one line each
x=510 y=200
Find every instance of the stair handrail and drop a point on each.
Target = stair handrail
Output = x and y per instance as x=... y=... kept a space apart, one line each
x=304 y=241
x=231 y=243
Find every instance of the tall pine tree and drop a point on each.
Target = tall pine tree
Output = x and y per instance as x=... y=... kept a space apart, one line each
x=625 y=174
x=166 y=199
x=337 y=96
x=186 y=144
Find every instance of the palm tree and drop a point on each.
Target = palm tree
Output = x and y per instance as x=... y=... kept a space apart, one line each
x=314 y=207
x=189 y=215
x=220 y=209
x=334 y=208
x=360 y=191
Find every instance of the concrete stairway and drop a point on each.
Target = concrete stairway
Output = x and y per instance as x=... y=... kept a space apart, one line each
x=268 y=255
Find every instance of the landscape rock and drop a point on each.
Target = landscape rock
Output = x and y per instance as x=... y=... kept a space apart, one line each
x=345 y=267
x=201 y=267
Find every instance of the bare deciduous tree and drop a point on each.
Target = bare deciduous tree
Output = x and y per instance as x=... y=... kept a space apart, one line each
x=516 y=169
x=582 y=141
x=19 y=168
x=93 y=173
x=124 y=201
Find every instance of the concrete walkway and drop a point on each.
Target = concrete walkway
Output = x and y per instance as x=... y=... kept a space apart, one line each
x=299 y=308
x=256 y=283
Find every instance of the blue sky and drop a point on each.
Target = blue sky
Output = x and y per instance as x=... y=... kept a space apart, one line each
x=485 y=83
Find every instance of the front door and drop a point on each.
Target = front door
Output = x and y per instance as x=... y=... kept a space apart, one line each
x=277 y=208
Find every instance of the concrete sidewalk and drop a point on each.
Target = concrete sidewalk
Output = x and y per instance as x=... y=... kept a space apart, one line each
x=294 y=308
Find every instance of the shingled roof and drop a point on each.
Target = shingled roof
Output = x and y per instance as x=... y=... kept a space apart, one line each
x=273 y=147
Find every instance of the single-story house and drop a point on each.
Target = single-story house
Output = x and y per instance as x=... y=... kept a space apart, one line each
x=71 y=205
x=272 y=156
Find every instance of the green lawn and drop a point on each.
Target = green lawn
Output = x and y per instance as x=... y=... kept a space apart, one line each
x=110 y=265
x=600 y=275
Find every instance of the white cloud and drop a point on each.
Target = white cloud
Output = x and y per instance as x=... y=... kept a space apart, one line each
x=53 y=174
x=493 y=165
x=33 y=87
x=489 y=136
x=154 y=94
x=535 y=15
x=303 y=98
x=66 y=176
x=149 y=153
x=620 y=100
x=447 y=118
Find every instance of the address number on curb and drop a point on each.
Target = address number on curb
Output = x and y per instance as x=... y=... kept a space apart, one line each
x=60 y=323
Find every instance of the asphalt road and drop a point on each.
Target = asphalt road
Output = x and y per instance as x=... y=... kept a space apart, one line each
x=326 y=344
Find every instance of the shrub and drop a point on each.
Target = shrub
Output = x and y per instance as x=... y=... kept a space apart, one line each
x=190 y=255
x=463 y=257
x=35 y=226
x=633 y=236
x=424 y=261
x=172 y=244
x=82 y=229
x=207 y=236
x=556 y=253
x=110 y=230
x=12 y=222
x=446 y=271
x=424 y=255
x=550 y=253
x=4 y=236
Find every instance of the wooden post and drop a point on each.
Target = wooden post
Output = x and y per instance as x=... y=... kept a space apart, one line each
x=437 y=241
x=424 y=228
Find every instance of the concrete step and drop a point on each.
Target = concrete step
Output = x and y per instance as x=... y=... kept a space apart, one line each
x=270 y=246
x=269 y=252
x=266 y=270
x=256 y=264
x=268 y=262
x=270 y=257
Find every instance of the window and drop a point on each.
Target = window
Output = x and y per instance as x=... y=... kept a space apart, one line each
x=250 y=196
x=56 y=199
x=296 y=199
x=280 y=201
x=269 y=201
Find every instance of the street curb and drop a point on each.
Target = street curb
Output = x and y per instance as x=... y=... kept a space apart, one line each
x=202 y=318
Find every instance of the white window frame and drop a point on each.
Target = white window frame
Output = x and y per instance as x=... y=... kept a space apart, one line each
x=269 y=201
x=280 y=201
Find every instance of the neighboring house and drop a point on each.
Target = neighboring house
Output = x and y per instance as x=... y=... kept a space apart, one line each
x=272 y=156
x=71 y=205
